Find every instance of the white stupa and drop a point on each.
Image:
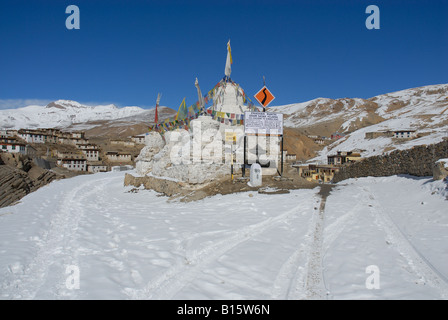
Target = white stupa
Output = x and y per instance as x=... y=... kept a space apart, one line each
x=197 y=156
x=229 y=97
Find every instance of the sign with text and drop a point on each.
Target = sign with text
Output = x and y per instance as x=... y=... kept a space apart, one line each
x=263 y=123
x=230 y=136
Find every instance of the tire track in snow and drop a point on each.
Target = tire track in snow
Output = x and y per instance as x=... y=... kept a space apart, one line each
x=175 y=278
x=290 y=282
x=315 y=283
x=297 y=281
x=418 y=263
x=57 y=240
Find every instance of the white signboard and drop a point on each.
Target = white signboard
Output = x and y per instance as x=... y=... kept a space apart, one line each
x=263 y=123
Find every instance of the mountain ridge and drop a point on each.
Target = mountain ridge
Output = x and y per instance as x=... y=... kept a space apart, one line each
x=424 y=109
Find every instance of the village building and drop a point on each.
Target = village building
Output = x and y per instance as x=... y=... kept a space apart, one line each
x=50 y=138
x=291 y=157
x=95 y=167
x=378 y=134
x=316 y=172
x=84 y=146
x=31 y=136
x=397 y=134
x=140 y=139
x=343 y=157
x=12 y=145
x=73 y=164
x=78 y=135
x=8 y=133
x=72 y=155
x=91 y=154
x=114 y=156
x=40 y=135
x=51 y=131
x=405 y=134
x=76 y=141
x=64 y=139
x=123 y=143
x=337 y=135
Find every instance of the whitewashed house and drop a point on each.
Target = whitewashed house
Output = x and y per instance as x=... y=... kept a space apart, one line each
x=140 y=139
x=12 y=145
x=86 y=146
x=78 y=135
x=114 y=156
x=96 y=167
x=31 y=136
x=123 y=143
x=73 y=164
x=91 y=154
x=71 y=155
x=405 y=134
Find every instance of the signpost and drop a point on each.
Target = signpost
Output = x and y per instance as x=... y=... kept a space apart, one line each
x=264 y=97
x=263 y=123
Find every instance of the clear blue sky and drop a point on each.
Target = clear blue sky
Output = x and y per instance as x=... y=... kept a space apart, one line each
x=125 y=52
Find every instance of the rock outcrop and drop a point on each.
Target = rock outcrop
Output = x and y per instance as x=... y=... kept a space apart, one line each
x=19 y=176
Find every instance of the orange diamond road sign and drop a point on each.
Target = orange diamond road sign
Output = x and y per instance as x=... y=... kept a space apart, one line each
x=264 y=97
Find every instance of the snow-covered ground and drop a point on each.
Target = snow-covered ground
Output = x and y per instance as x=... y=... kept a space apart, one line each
x=122 y=244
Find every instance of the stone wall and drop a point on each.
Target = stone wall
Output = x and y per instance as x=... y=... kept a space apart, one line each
x=418 y=161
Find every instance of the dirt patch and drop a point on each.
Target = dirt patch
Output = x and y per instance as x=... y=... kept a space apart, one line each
x=186 y=193
x=296 y=142
x=270 y=185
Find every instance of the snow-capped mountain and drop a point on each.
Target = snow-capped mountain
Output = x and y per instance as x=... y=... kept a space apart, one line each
x=63 y=113
x=350 y=114
x=424 y=109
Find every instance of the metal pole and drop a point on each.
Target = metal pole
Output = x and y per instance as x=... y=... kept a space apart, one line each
x=244 y=158
x=281 y=174
x=231 y=166
x=264 y=85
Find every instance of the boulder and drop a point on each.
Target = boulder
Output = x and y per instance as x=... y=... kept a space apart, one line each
x=440 y=169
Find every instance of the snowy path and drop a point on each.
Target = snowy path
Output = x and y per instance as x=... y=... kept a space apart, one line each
x=419 y=264
x=366 y=228
x=138 y=246
x=302 y=245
